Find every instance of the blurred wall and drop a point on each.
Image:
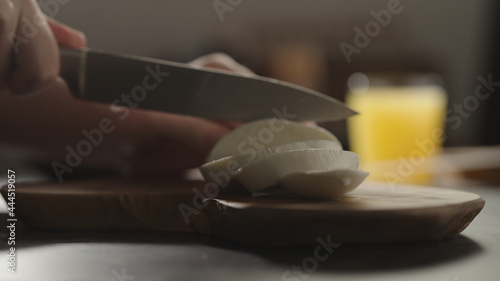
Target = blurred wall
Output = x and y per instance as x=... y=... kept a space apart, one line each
x=444 y=36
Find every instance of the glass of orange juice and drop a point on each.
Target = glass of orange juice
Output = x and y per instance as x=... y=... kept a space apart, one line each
x=400 y=126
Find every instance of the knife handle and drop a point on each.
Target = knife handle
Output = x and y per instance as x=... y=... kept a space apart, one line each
x=72 y=68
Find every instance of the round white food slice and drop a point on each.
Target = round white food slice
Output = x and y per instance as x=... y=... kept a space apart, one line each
x=264 y=133
x=212 y=171
x=267 y=171
x=323 y=184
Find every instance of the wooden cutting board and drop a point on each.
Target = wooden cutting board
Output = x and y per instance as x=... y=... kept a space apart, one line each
x=371 y=213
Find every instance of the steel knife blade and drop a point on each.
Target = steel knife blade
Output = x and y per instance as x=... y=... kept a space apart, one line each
x=153 y=84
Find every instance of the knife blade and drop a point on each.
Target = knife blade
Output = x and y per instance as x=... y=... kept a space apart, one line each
x=153 y=84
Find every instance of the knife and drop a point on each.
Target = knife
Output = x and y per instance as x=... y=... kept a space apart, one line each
x=153 y=84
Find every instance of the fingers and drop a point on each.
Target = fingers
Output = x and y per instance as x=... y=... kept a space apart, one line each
x=197 y=134
x=164 y=159
x=171 y=143
x=221 y=61
x=36 y=54
x=67 y=36
x=144 y=142
x=9 y=14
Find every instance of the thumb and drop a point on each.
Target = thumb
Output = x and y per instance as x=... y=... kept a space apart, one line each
x=67 y=36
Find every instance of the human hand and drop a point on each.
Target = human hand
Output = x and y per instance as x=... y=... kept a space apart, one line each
x=29 y=53
x=145 y=143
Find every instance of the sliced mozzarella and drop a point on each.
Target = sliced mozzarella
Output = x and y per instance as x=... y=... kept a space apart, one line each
x=231 y=164
x=261 y=134
x=268 y=171
x=323 y=184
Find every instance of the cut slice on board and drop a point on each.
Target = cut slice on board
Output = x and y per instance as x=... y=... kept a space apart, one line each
x=268 y=171
x=258 y=155
x=231 y=164
x=323 y=184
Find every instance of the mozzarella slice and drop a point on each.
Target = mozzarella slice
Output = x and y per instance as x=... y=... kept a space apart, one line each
x=268 y=171
x=274 y=154
x=261 y=134
x=231 y=164
x=323 y=185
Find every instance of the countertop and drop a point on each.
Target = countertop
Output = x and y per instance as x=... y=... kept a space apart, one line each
x=120 y=256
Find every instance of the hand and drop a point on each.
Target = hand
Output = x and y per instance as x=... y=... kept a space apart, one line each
x=29 y=53
x=146 y=143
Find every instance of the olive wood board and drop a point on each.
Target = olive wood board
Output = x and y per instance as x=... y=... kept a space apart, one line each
x=371 y=213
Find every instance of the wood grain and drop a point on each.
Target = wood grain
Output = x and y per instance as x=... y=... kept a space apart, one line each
x=371 y=213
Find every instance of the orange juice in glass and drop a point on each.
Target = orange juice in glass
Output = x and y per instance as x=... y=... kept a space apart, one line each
x=400 y=125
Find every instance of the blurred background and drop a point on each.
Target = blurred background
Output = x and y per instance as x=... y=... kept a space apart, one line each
x=299 y=41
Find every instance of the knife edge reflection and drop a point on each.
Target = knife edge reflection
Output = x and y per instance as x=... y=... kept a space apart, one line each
x=160 y=85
